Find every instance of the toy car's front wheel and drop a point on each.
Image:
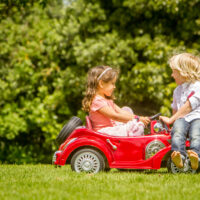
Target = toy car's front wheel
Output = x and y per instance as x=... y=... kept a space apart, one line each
x=87 y=160
x=175 y=170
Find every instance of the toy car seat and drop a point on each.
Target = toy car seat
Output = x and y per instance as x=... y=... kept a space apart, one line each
x=88 y=123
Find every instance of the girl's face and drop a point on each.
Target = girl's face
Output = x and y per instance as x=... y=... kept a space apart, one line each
x=106 y=89
x=177 y=77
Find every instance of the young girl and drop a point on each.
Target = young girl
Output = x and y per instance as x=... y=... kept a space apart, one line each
x=186 y=109
x=105 y=115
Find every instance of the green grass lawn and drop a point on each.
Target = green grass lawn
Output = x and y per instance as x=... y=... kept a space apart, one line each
x=47 y=182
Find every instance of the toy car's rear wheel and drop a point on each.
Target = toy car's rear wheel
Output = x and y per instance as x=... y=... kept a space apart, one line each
x=73 y=123
x=175 y=170
x=87 y=160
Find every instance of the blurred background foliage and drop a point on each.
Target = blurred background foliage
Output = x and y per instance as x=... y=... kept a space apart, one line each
x=47 y=48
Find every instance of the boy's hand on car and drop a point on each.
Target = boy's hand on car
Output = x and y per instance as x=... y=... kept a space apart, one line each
x=145 y=120
x=166 y=120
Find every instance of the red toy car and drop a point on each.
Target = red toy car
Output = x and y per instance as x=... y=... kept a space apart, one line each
x=90 y=151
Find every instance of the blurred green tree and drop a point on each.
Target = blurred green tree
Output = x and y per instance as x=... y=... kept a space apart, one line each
x=46 y=52
x=10 y=7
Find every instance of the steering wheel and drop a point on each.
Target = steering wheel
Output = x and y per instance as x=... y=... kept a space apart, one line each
x=163 y=124
x=154 y=116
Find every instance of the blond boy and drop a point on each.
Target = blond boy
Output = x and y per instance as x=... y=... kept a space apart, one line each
x=186 y=109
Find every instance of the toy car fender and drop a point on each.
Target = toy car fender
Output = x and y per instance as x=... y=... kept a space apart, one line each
x=83 y=142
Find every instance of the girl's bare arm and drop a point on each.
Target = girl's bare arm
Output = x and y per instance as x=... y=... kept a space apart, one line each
x=145 y=120
x=121 y=116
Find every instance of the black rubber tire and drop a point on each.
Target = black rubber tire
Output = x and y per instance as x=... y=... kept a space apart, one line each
x=170 y=165
x=107 y=169
x=85 y=152
x=68 y=128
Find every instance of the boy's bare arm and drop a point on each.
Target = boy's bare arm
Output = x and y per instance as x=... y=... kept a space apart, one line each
x=174 y=112
x=184 y=110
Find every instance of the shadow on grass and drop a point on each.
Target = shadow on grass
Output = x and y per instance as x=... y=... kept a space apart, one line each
x=141 y=171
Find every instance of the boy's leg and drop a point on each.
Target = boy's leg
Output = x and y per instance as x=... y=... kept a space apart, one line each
x=179 y=134
x=194 y=136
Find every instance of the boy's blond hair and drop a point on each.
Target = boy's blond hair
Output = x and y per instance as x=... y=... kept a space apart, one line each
x=188 y=65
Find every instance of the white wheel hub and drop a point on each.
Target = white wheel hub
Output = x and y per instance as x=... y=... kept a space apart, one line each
x=87 y=162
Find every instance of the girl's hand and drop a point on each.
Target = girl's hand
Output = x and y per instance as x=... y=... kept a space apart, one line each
x=145 y=120
x=166 y=120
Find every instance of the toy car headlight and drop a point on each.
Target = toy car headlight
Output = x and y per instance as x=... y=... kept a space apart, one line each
x=157 y=127
x=55 y=155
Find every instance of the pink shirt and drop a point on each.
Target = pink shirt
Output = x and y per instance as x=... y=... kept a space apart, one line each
x=98 y=120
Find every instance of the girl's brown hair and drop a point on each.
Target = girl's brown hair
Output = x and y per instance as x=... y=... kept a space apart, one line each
x=94 y=76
